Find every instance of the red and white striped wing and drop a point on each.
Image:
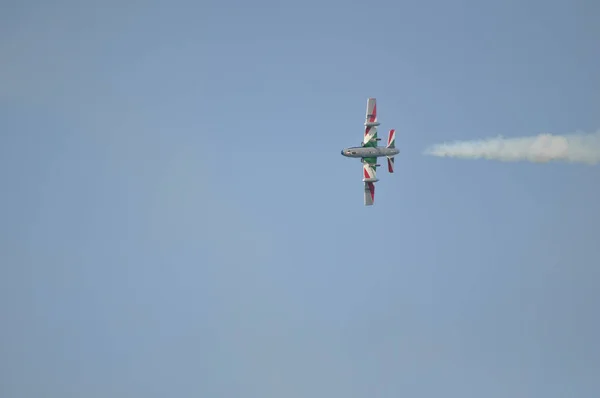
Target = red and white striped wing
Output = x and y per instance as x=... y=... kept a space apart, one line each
x=369 y=179
x=369 y=171
x=370 y=117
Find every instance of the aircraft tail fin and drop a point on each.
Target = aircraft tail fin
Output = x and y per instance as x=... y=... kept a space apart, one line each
x=390 y=162
x=391 y=143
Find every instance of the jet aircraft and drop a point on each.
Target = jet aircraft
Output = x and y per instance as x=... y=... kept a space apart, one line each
x=369 y=151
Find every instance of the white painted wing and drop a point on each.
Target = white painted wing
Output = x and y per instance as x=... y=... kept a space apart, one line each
x=369 y=179
x=370 y=121
x=369 y=193
x=371 y=115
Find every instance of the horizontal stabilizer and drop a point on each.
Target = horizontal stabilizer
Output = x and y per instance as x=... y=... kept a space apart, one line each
x=390 y=161
x=392 y=139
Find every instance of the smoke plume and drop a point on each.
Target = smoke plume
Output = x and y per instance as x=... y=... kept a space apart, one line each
x=579 y=147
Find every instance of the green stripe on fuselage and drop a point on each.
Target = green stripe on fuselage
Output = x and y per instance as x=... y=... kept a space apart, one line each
x=371 y=144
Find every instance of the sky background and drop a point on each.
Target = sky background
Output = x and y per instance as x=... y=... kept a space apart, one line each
x=176 y=219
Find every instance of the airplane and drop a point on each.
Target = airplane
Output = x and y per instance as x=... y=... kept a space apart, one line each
x=369 y=151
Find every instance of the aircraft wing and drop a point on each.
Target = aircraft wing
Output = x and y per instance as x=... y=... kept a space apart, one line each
x=369 y=193
x=371 y=123
x=369 y=179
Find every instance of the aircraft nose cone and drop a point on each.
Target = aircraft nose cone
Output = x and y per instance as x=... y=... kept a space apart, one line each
x=342 y=151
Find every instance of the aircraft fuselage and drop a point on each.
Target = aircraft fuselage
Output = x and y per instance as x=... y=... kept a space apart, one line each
x=369 y=152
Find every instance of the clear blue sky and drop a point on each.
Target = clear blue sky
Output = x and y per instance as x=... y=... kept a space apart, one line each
x=177 y=220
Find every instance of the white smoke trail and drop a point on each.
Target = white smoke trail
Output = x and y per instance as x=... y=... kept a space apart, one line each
x=578 y=147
